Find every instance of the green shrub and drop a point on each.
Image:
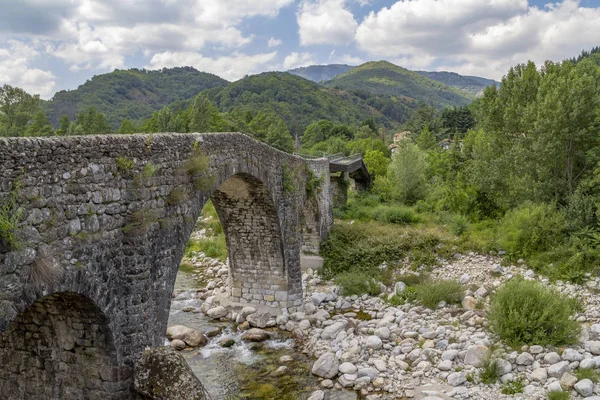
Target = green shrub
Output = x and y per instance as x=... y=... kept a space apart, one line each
x=357 y=283
x=432 y=293
x=411 y=279
x=124 y=164
x=525 y=312
x=530 y=229
x=394 y=215
x=587 y=373
x=490 y=372
x=365 y=246
x=514 y=387
x=288 y=179
x=558 y=395
x=313 y=183
x=459 y=225
x=198 y=167
x=140 y=222
x=176 y=196
x=10 y=219
x=409 y=295
x=149 y=170
x=214 y=247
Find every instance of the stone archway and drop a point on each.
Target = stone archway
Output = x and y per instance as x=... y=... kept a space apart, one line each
x=253 y=235
x=61 y=347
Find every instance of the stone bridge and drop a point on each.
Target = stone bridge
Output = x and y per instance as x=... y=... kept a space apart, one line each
x=93 y=230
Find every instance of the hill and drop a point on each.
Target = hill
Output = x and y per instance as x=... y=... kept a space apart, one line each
x=131 y=94
x=408 y=87
x=320 y=73
x=297 y=100
x=470 y=84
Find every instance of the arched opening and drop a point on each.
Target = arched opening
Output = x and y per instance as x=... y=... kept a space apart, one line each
x=61 y=348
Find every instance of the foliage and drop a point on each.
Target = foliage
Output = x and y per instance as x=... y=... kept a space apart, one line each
x=525 y=312
x=430 y=294
x=17 y=110
x=288 y=179
x=149 y=170
x=376 y=162
x=393 y=214
x=198 y=168
x=176 y=196
x=140 y=222
x=587 y=373
x=124 y=164
x=357 y=282
x=131 y=94
x=40 y=126
x=531 y=228
x=490 y=371
x=10 y=218
x=406 y=173
x=513 y=387
x=426 y=140
x=89 y=122
x=313 y=183
x=365 y=246
x=558 y=395
x=214 y=247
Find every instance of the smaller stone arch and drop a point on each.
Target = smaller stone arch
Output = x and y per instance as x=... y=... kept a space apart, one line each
x=254 y=239
x=61 y=347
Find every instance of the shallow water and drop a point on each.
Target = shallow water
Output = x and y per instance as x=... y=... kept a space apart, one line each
x=243 y=371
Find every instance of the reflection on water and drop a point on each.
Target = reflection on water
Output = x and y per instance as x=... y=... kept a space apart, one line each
x=244 y=370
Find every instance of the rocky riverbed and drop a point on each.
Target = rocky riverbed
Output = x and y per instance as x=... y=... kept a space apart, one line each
x=363 y=346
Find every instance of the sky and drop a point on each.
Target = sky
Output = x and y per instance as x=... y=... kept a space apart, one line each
x=52 y=45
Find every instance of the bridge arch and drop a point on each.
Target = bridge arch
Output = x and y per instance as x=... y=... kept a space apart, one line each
x=61 y=347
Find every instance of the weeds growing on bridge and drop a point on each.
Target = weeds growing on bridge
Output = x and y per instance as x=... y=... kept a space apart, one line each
x=313 y=183
x=140 y=222
x=10 y=218
x=198 y=168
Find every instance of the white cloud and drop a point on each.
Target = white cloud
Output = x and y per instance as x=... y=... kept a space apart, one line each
x=16 y=70
x=325 y=22
x=273 y=42
x=231 y=67
x=480 y=37
x=297 y=60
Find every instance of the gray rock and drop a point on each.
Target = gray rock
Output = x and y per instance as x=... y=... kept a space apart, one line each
x=449 y=355
x=154 y=377
x=332 y=330
x=217 y=312
x=504 y=367
x=588 y=363
x=373 y=342
x=525 y=359
x=178 y=344
x=568 y=380
x=476 y=355
x=540 y=375
x=383 y=333
x=326 y=366
x=399 y=287
x=595 y=348
x=347 y=368
x=371 y=373
x=557 y=370
x=456 y=378
x=571 y=355
x=554 y=387
x=445 y=365
x=585 y=387
x=551 y=358
x=259 y=319
x=317 y=395
x=255 y=335
x=318 y=298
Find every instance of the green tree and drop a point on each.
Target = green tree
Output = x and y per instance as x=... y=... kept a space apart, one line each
x=266 y=126
x=40 y=126
x=406 y=173
x=63 y=127
x=92 y=122
x=426 y=140
x=17 y=109
x=376 y=162
x=127 y=127
x=201 y=112
x=317 y=132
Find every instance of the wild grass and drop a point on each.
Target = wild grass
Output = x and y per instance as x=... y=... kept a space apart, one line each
x=357 y=283
x=10 y=219
x=430 y=294
x=587 y=373
x=198 y=168
x=556 y=395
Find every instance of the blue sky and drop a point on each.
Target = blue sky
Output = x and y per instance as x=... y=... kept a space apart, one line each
x=51 y=45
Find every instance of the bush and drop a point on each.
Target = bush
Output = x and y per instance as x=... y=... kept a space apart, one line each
x=365 y=246
x=490 y=371
x=394 y=215
x=357 y=283
x=558 y=395
x=514 y=387
x=431 y=294
x=587 y=373
x=530 y=229
x=214 y=247
x=525 y=312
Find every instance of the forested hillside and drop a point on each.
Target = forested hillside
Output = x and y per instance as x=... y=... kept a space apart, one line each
x=320 y=73
x=296 y=100
x=130 y=94
x=470 y=84
x=409 y=88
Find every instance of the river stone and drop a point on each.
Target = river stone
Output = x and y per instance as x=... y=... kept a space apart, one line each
x=371 y=373
x=226 y=342
x=282 y=370
x=568 y=380
x=332 y=330
x=178 y=344
x=595 y=348
x=399 y=287
x=540 y=375
x=457 y=378
x=554 y=387
x=317 y=395
x=557 y=370
x=347 y=368
x=373 y=342
x=383 y=333
x=525 y=359
x=326 y=366
x=476 y=355
x=504 y=367
x=154 y=377
x=585 y=387
x=469 y=303
x=247 y=311
x=449 y=355
x=195 y=338
x=259 y=319
x=588 y=363
x=177 y=332
x=217 y=312
x=318 y=298
x=255 y=335
x=551 y=358
x=571 y=355
x=445 y=365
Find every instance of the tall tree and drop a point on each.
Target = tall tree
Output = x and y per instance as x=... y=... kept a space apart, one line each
x=63 y=127
x=40 y=126
x=17 y=109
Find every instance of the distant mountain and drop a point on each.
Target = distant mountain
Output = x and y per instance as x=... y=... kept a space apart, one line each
x=297 y=100
x=471 y=84
x=408 y=87
x=131 y=94
x=320 y=73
